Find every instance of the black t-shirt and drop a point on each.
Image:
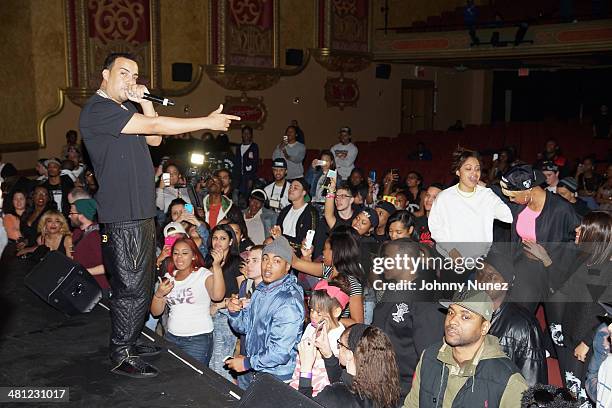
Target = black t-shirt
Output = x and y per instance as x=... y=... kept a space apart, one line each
x=122 y=163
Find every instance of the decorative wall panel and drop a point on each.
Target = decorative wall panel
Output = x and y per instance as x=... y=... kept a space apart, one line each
x=244 y=33
x=95 y=28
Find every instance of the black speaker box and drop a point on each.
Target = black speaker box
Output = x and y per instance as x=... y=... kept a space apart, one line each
x=383 y=71
x=294 y=57
x=182 y=72
x=64 y=284
x=268 y=392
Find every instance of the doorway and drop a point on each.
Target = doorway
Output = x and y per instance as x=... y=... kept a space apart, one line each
x=417 y=105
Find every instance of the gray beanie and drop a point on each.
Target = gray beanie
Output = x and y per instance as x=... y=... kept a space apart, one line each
x=279 y=247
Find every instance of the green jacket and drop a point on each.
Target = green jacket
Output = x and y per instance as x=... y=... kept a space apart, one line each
x=458 y=377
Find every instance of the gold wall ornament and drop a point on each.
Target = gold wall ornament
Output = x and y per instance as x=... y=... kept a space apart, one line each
x=251 y=110
x=342 y=61
x=341 y=92
x=243 y=79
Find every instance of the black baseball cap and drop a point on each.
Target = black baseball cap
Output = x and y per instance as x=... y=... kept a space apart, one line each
x=550 y=166
x=372 y=215
x=279 y=163
x=521 y=178
x=387 y=206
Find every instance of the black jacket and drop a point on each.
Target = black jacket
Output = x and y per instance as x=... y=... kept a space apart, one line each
x=338 y=393
x=306 y=221
x=555 y=227
x=413 y=321
x=521 y=338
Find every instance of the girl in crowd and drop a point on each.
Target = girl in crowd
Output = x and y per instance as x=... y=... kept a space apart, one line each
x=604 y=193
x=316 y=176
x=590 y=283
x=41 y=202
x=421 y=224
x=400 y=225
x=223 y=240
x=54 y=233
x=341 y=256
x=370 y=378
x=242 y=236
x=187 y=290
x=461 y=218
x=401 y=200
x=414 y=191
x=14 y=208
x=167 y=189
x=326 y=304
x=194 y=226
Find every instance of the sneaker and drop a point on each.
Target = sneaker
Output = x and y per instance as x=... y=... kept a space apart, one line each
x=145 y=350
x=135 y=367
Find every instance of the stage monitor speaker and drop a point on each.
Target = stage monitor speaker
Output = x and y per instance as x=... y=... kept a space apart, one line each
x=268 y=392
x=294 y=57
x=182 y=72
x=383 y=71
x=64 y=284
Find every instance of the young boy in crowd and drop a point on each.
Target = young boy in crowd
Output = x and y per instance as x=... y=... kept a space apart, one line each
x=272 y=321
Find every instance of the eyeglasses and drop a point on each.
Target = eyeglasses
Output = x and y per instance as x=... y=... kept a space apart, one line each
x=342 y=344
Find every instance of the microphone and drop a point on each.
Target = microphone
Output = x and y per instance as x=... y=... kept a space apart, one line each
x=158 y=99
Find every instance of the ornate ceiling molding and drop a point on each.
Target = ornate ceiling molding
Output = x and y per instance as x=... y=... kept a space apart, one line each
x=342 y=61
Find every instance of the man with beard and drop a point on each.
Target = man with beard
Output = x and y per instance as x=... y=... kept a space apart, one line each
x=468 y=369
x=86 y=243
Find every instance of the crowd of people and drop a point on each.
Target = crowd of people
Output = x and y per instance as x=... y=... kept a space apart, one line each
x=280 y=275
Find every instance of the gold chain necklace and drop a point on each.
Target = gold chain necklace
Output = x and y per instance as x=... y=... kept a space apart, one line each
x=465 y=195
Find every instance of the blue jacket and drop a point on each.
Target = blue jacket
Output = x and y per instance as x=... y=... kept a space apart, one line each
x=273 y=324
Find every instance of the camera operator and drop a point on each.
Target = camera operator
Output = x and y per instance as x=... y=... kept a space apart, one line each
x=277 y=193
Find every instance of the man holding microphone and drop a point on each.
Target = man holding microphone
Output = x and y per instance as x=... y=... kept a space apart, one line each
x=117 y=139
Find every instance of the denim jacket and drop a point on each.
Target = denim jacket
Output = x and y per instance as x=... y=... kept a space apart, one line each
x=272 y=323
x=601 y=349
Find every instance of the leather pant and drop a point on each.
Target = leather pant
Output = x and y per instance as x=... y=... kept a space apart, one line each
x=128 y=250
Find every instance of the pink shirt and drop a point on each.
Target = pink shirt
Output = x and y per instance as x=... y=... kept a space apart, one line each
x=526 y=224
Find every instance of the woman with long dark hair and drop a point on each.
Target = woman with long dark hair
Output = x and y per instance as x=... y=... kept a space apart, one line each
x=223 y=240
x=187 y=291
x=370 y=377
x=341 y=256
x=579 y=296
x=15 y=206
x=461 y=218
